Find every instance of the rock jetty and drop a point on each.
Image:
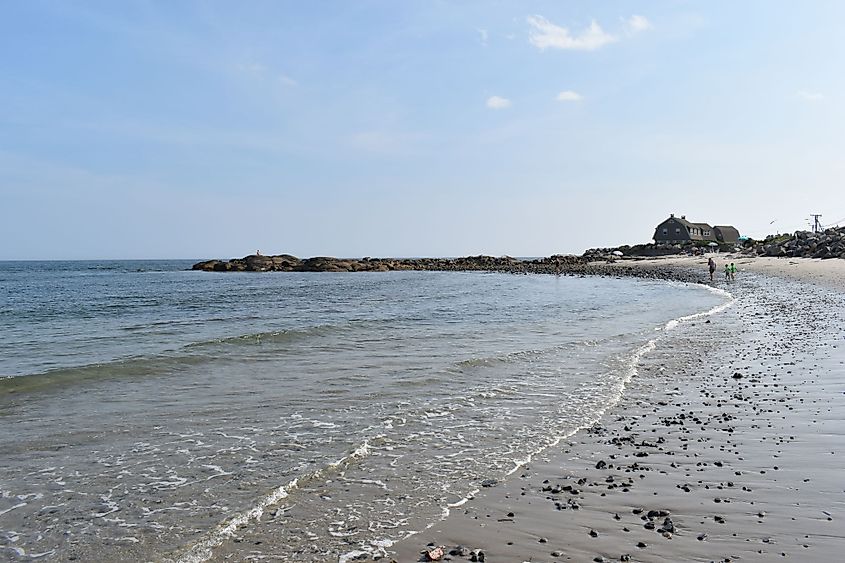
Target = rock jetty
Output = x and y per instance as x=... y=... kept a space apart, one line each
x=288 y=263
x=600 y=262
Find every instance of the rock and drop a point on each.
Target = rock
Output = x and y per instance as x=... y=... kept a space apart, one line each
x=459 y=550
x=435 y=554
x=668 y=526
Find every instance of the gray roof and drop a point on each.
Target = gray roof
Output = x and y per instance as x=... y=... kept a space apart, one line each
x=727 y=231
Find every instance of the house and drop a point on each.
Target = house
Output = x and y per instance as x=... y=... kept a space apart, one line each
x=726 y=234
x=678 y=229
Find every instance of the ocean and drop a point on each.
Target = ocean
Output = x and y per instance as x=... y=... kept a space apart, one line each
x=153 y=413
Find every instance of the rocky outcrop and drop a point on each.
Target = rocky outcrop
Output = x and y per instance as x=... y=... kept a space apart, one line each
x=287 y=263
x=594 y=263
x=802 y=244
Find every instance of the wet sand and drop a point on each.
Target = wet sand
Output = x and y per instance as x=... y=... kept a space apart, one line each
x=727 y=446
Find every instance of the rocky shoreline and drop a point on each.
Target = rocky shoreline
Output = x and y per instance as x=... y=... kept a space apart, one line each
x=591 y=263
x=595 y=261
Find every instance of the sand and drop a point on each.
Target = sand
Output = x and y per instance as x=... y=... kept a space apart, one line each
x=824 y=273
x=729 y=444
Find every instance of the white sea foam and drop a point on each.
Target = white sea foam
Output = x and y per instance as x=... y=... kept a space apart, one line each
x=717 y=309
x=203 y=549
x=19 y=505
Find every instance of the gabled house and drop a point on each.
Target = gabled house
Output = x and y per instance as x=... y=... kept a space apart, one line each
x=678 y=229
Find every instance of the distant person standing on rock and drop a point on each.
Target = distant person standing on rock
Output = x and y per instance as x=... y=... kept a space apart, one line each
x=711 y=265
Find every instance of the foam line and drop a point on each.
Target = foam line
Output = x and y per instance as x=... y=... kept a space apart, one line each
x=203 y=549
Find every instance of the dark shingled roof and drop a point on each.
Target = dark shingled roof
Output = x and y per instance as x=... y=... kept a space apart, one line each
x=726 y=233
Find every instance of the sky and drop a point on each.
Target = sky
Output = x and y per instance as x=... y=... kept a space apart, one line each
x=180 y=129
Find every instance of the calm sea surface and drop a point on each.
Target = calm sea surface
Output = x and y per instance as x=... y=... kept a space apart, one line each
x=153 y=413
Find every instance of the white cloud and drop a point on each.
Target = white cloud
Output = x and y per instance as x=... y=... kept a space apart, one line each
x=497 y=102
x=636 y=24
x=810 y=96
x=569 y=96
x=287 y=80
x=483 y=35
x=545 y=35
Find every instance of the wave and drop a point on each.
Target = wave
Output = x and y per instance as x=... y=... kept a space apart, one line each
x=203 y=550
x=717 y=309
x=522 y=355
x=128 y=367
x=139 y=366
x=269 y=337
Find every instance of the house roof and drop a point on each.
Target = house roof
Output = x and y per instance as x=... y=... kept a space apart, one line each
x=731 y=232
x=688 y=224
x=680 y=220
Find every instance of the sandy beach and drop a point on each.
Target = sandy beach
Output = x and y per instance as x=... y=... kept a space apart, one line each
x=824 y=273
x=726 y=446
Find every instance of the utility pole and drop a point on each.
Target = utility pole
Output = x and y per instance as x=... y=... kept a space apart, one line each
x=817 y=227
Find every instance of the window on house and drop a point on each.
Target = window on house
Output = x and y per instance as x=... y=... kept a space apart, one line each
x=665 y=231
x=678 y=231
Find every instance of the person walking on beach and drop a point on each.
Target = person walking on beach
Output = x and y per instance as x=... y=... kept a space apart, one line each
x=711 y=265
x=727 y=272
x=733 y=271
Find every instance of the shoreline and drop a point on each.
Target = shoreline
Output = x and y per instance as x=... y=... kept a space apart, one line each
x=689 y=447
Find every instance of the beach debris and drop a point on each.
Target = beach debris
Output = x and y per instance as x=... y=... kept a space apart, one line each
x=489 y=483
x=435 y=554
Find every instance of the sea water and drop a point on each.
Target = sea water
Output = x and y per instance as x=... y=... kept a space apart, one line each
x=149 y=412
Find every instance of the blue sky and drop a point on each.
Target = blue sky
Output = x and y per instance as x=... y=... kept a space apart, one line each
x=381 y=128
